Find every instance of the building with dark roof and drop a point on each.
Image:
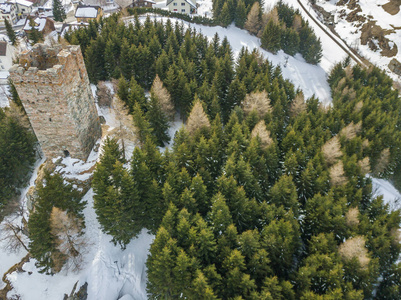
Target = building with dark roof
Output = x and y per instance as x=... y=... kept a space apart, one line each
x=142 y=3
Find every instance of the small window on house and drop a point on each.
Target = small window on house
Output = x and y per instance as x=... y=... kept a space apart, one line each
x=23 y=9
x=183 y=10
x=182 y=3
x=50 y=119
x=175 y=4
x=175 y=9
x=2 y=67
x=66 y=153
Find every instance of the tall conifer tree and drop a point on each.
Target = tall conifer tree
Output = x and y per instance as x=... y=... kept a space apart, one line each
x=240 y=14
x=271 y=37
x=158 y=121
x=10 y=32
x=58 y=11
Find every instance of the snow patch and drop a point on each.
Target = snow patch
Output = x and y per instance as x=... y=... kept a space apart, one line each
x=391 y=195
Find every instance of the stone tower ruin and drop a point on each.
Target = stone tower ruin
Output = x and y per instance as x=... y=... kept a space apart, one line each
x=53 y=86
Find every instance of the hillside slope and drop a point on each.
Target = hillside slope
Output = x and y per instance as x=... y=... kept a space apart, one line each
x=373 y=28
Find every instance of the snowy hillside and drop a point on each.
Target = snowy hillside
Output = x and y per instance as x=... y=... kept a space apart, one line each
x=311 y=79
x=373 y=28
x=112 y=273
x=391 y=195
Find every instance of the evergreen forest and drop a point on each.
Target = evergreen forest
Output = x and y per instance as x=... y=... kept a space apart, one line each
x=17 y=153
x=280 y=28
x=55 y=225
x=264 y=194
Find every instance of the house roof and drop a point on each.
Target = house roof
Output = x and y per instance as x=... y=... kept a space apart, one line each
x=3 y=48
x=23 y=3
x=86 y=11
x=39 y=23
x=188 y=1
x=6 y=8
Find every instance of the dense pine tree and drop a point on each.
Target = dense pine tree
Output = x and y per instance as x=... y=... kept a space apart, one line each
x=10 y=32
x=34 y=35
x=240 y=14
x=246 y=206
x=310 y=46
x=58 y=11
x=116 y=197
x=158 y=121
x=271 y=37
x=225 y=17
x=143 y=128
x=17 y=152
x=43 y=246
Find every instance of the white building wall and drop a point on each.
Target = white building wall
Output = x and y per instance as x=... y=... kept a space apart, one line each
x=23 y=10
x=179 y=6
x=12 y=16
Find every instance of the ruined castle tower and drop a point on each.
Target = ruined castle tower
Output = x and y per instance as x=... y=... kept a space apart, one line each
x=53 y=85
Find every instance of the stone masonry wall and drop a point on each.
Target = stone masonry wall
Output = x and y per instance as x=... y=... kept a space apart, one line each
x=54 y=88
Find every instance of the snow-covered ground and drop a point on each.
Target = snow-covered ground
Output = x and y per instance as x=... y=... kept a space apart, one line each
x=111 y=273
x=4 y=96
x=205 y=8
x=174 y=127
x=351 y=34
x=8 y=259
x=332 y=53
x=391 y=195
x=67 y=4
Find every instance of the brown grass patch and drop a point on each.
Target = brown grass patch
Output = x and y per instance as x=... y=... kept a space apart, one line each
x=371 y=32
x=393 y=7
x=354 y=17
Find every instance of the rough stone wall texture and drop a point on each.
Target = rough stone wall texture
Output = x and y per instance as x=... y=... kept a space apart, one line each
x=54 y=88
